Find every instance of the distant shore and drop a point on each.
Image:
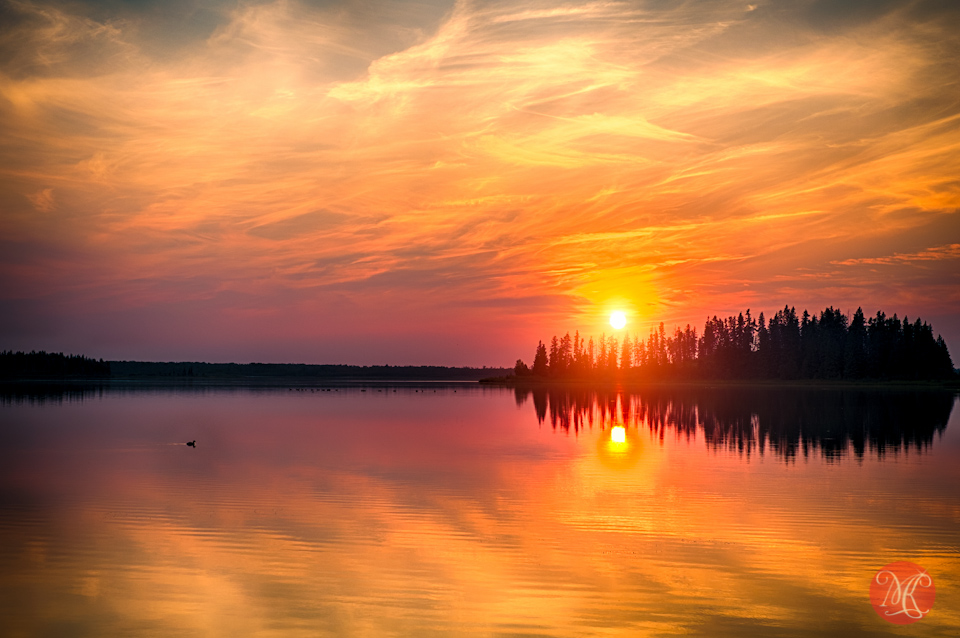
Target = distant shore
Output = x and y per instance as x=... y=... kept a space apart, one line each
x=490 y=382
x=85 y=385
x=532 y=383
x=19 y=370
x=55 y=367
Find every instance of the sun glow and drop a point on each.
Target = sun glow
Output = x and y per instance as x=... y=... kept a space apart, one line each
x=618 y=320
x=618 y=451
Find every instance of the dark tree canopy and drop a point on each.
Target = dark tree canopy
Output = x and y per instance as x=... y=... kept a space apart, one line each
x=788 y=346
x=50 y=365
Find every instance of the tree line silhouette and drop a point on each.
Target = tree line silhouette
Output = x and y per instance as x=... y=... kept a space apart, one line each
x=788 y=346
x=48 y=365
x=748 y=421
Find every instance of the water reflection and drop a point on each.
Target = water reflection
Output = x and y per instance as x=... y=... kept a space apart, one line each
x=618 y=434
x=832 y=423
x=417 y=513
x=61 y=392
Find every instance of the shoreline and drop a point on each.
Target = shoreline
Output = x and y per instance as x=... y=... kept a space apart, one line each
x=702 y=384
x=511 y=382
x=265 y=382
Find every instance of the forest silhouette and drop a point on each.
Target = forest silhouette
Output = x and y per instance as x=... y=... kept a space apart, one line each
x=788 y=346
x=51 y=365
x=784 y=422
x=55 y=365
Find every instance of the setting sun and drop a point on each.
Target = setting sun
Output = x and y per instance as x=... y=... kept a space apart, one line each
x=618 y=320
x=618 y=434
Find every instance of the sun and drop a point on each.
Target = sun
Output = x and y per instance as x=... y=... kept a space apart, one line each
x=618 y=320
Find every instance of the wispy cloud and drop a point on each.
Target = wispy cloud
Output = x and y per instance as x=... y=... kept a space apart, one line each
x=676 y=161
x=42 y=200
x=937 y=253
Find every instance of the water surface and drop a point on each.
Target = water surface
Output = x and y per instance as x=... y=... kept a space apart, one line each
x=460 y=511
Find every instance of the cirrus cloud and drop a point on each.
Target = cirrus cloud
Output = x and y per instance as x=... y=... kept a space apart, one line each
x=416 y=169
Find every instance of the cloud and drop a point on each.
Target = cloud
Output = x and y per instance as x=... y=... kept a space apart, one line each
x=937 y=253
x=305 y=224
x=42 y=200
x=695 y=155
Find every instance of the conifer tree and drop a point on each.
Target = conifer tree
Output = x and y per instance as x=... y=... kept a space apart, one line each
x=566 y=353
x=540 y=360
x=554 y=355
x=825 y=345
x=612 y=354
x=855 y=346
x=626 y=354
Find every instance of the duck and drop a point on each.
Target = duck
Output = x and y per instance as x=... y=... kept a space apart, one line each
x=192 y=443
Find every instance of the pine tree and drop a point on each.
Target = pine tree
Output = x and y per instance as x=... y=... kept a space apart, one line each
x=764 y=360
x=555 y=364
x=827 y=345
x=566 y=354
x=602 y=356
x=661 y=346
x=577 y=352
x=612 y=354
x=540 y=360
x=626 y=354
x=639 y=353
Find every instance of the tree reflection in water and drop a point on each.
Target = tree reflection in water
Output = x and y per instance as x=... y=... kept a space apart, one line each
x=832 y=423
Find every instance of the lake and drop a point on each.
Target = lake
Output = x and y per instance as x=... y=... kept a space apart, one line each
x=458 y=510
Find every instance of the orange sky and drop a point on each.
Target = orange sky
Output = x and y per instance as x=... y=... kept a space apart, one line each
x=403 y=182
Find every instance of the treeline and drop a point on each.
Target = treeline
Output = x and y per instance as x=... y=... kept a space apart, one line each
x=43 y=365
x=788 y=346
x=201 y=370
x=50 y=365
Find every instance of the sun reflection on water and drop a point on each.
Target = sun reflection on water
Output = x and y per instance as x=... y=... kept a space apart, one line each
x=618 y=434
x=620 y=448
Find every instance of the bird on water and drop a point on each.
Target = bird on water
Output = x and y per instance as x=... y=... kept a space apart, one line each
x=192 y=443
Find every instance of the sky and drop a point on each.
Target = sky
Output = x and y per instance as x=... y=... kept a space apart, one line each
x=449 y=182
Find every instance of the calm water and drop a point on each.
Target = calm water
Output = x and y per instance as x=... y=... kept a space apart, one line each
x=429 y=511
